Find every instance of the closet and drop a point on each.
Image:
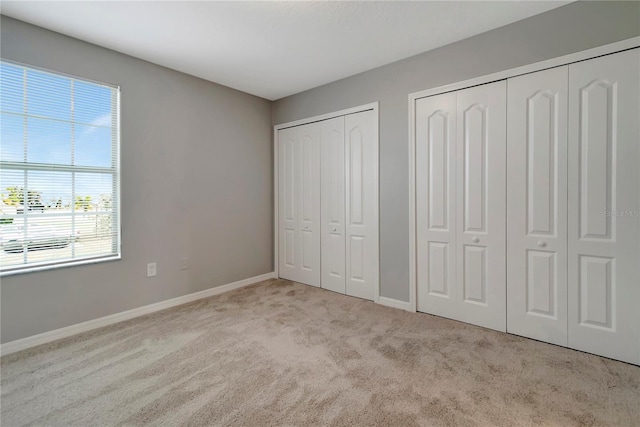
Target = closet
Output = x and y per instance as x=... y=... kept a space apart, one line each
x=328 y=204
x=527 y=196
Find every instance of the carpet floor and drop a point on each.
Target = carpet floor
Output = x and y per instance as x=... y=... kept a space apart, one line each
x=280 y=353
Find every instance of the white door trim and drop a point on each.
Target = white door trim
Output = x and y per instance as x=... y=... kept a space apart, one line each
x=331 y=115
x=608 y=49
x=375 y=106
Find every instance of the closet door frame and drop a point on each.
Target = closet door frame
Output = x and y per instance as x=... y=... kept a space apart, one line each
x=608 y=49
x=374 y=106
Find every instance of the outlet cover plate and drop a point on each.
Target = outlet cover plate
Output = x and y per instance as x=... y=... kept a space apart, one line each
x=151 y=269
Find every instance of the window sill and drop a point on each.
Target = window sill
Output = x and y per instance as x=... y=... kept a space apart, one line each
x=65 y=264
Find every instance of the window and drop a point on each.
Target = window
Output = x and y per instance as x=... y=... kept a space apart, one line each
x=59 y=170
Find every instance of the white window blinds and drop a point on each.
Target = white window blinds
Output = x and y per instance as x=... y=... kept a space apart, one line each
x=59 y=170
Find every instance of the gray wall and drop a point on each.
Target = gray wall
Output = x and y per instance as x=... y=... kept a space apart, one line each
x=572 y=28
x=196 y=182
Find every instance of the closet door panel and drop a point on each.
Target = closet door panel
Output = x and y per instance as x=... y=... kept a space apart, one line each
x=481 y=219
x=604 y=206
x=288 y=212
x=361 y=159
x=308 y=193
x=435 y=204
x=299 y=204
x=537 y=205
x=332 y=204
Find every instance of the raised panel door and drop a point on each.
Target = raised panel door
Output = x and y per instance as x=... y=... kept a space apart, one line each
x=299 y=203
x=308 y=193
x=288 y=212
x=480 y=207
x=361 y=209
x=435 y=204
x=604 y=206
x=333 y=244
x=537 y=205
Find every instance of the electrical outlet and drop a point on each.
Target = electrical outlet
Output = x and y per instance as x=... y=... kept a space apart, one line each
x=184 y=263
x=151 y=269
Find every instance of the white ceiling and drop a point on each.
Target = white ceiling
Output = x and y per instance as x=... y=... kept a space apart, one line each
x=272 y=49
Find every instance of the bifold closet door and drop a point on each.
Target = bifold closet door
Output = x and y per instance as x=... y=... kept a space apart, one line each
x=461 y=173
x=481 y=205
x=361 y=185
x=299 y=203
x=332 y=203
x=604 y=206
x=435 y=204
x=537 y=205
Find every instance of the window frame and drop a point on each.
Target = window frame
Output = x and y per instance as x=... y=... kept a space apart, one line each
x=115 y=172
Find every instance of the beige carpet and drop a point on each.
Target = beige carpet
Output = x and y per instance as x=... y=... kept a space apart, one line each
x=281 y=353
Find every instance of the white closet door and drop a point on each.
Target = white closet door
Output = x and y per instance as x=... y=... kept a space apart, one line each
x=308 y=189
x=435 y=203
x=361 y=158
x=604 y=206
x=332 y=204
x=537 y=205
x=299 y=194
x=481 y=205
x=287 y=208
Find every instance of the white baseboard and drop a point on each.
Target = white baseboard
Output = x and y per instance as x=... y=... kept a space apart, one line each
x=32 y=341
x=394 y=303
